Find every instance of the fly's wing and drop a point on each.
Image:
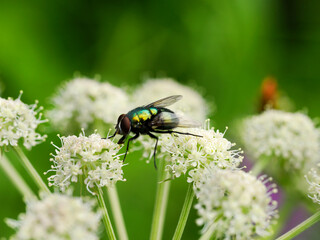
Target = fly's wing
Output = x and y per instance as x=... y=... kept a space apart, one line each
x=185 y=122
x=165 y=101
x=170 y=120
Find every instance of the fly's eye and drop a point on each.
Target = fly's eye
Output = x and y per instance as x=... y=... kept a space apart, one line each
x=120 y=117
x=125 y=125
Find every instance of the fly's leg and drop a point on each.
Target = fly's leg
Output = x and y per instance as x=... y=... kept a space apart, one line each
x=115 y=133
x=155 y=148
x=134 y=137
x=182 y=133
x=122 y=139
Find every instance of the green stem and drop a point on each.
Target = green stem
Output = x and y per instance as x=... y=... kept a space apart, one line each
x=184 y=213
x=106 y=218
x=259 y=166
x=117 y=213
x=16 y=179
x=301 y=227
x=160 y=207
x=209 y=233
x=31 y=170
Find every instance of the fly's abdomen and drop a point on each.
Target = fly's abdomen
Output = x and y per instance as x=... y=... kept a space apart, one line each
x=165 y=120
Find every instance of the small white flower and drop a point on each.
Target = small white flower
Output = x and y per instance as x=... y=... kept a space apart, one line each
x=19 y=121
x=187 y=153
x=57 y=217
x=291 y=137
x=192 y=105
x=82 y=102
x=313 y=179
x=92 y=157
x=234 y=204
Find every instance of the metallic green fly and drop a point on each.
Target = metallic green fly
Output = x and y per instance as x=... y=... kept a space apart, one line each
x=149 y=119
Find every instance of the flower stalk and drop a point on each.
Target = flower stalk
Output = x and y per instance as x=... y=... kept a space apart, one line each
x=301 y=227
x=159 y=211
x=15 y=177
x=106 y=218
x=184 y=213
x=31 y=170
x=117 y=213
x=259 y=166
x=209 y=233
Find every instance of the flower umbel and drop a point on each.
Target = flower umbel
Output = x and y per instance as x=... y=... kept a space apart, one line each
x=189 y=153
x=292 y=137
x=234 y=204
x=19 y=121
x=57 y=216
x=94 y=158
x=82 y=102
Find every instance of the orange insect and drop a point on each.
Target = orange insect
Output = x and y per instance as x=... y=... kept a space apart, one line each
x=269 y=94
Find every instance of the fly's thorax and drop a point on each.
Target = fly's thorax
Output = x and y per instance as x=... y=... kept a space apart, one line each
x=141 y=115
x=153 y=111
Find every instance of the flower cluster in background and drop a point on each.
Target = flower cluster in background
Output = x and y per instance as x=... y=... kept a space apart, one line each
x=193 y=105
x=82 y=102
x=291 y=137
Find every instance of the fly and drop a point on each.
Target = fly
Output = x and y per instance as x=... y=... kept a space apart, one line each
x=149 y=119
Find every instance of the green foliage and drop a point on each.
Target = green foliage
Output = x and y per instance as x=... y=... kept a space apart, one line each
x=224 y=48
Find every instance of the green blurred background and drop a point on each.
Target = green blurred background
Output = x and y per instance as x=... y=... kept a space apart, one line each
x=224 y=47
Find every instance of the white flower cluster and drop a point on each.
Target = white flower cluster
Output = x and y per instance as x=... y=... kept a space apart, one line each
x=92 y=157
x=313 y=179
x=292 y=137
x=19 y=121
x=187 y=153
x=57 y=217
x=84 y=101
x=233 y=204
x=192 y=105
